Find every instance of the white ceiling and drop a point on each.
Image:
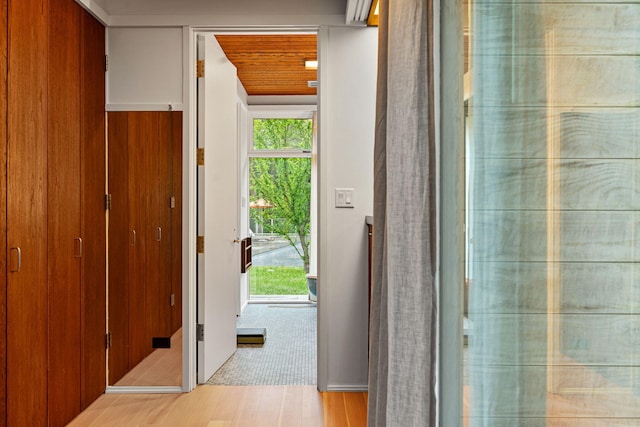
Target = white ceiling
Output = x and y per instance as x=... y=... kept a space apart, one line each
x=221 y=7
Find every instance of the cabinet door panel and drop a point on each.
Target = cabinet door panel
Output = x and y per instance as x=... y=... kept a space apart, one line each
x=120 y=239
x=63 y=212
x=27 y=214
x=94 y=292
x=176 y=221
x=162 y=187
x=3 y=212
x=142 y=127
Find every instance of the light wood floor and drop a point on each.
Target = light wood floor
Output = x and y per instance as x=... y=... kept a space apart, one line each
x=162 y=367
x=230 y=406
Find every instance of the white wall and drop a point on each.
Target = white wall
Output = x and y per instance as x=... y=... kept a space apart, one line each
x=145 y=68
x=347 y=119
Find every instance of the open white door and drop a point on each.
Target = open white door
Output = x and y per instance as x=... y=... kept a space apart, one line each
x=219 y=265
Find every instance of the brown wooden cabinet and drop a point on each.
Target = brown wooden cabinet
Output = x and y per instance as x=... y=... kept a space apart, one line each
x=144 y=234
x=93 y=155
x=52 y=97
x=3 y=213
x=64 y=236
x=27 y=302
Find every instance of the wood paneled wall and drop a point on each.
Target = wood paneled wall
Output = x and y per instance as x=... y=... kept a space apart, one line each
x=144 y=234
x=554 y=197
x=52 y=185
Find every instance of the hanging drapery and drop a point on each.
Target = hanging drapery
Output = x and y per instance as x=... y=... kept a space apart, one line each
x=403 y=310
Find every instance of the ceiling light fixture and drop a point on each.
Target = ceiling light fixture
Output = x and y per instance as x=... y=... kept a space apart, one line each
x=311 y=64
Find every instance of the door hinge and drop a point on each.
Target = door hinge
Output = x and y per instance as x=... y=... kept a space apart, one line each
x=172 y=300
x=106 y=63
x=200 y=244
x=107 y=202
x=107 y=340
x=200 y=332
x=172 y=202
x=200 y=68
x=200 y=156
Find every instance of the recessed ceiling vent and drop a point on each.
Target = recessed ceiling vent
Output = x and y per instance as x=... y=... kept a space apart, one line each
x=357 y=12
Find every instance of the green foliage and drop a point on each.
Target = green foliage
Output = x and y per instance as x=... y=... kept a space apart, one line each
x=282 y=134
x=282 y=186
x=278 y=281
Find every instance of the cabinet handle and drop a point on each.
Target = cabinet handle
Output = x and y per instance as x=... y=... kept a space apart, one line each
x=19 y=253
x=79 y=248
x=159 y=234
x=132 y=241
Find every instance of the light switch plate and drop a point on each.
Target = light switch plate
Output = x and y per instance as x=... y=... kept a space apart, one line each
x=345 y=198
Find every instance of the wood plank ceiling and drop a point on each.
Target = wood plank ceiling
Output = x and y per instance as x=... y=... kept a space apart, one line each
x=272 y=64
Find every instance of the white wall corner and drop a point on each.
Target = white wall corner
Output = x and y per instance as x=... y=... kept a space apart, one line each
x=94 y=9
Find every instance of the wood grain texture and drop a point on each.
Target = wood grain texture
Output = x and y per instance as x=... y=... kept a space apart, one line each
x=520 y=236
x=272 y=64
x=148 y=174
x=230 y=406
x=63 y=215
x=141 y=180
x=553 y=211
x=509 y=287
x=140 y=127
x=176 y=221
x=521 y=132
x=3 y=213
x=94 y=268
x=162 y=238
x=581 y=81
x=27 y=213
x=581 y=28
x=163 y=367
x=583 y=184
x=119 y=241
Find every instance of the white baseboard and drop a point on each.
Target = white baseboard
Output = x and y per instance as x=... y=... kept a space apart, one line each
x=143 y=390
x=347 y=388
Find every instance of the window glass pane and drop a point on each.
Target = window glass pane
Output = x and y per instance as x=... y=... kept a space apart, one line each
x=280 y=220
x=282 y=134
x=553 y=201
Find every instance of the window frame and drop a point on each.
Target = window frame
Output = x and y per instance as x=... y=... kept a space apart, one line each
x=301 y=112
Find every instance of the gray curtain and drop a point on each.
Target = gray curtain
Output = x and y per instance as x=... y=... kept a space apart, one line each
x=403 y=307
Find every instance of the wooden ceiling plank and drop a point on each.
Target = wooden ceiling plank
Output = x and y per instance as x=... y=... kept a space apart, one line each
x=272 y=64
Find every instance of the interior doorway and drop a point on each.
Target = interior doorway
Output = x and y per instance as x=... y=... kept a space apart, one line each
x=271 y=101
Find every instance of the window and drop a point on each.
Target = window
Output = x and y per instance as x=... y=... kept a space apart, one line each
x=552 y=233
x=280 y=175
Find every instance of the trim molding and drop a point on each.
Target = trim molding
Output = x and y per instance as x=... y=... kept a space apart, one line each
x=143 y=390
x=347 y=388
x=145 y=107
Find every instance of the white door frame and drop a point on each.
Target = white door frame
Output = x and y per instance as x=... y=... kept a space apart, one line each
x=189 y=208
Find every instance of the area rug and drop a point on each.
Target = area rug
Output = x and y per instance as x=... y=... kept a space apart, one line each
x=288 y=357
